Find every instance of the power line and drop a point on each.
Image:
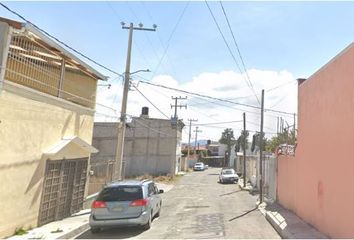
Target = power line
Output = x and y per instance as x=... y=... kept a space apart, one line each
x=215 y=123
x=213 y=98
x=169 y=39
x=150 y=102
x=239 y=52
x=160 y=39
x=63 y=43
x=227 y=45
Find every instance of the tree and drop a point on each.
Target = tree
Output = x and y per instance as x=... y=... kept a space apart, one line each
x=240 y=143
x=286 y=137
x=228 y=138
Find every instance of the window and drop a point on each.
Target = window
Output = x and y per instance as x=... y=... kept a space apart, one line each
x=151 y=189
x=120 y=193
x=230 y=171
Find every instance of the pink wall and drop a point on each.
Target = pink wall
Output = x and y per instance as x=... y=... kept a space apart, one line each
x=318 y=183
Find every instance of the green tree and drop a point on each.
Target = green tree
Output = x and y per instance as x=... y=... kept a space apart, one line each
x=240 y=143
x=286 y=137
x=228 y=138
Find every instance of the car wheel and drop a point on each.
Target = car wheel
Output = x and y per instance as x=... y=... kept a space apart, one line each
x=95 y=230
x=147 y=226
x=158 y=213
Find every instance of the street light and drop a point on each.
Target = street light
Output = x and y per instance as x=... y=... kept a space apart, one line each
x=143 y=70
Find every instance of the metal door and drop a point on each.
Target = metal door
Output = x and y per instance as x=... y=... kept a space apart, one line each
x=63 y=190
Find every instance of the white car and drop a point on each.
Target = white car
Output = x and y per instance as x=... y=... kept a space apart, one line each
x=228 y=175
x=199 y=166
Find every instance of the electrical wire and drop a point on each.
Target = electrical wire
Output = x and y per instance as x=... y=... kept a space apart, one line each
x=59 y=41
x=239 y=52
x=170 y=37
x=227 y=45
x=147 y=99
x=214 y=98
x=216 y=123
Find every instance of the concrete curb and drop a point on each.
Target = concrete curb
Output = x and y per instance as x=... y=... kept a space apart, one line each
x=288 y=225
x=75 y=232
x=277 y=226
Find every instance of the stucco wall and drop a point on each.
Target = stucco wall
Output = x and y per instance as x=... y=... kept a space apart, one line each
x=318 y=183
x=151 y=147
x=30 y=124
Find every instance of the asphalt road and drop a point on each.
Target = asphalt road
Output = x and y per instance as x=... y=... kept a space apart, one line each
x=200 y=207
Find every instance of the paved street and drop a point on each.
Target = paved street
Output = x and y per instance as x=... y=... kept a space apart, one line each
x=199 y=207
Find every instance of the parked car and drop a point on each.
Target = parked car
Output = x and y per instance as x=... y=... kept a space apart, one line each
x=126 y=203
x=206 y=166
x=199 y=166
x=228 y=175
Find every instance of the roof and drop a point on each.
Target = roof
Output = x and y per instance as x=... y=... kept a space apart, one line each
x=130 y=182
x=54 y=46
x=71 y=140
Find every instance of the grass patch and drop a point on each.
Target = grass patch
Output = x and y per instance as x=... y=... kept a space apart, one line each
x=20 y=231
x=167 y=179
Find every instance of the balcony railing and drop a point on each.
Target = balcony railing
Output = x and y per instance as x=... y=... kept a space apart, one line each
x=36 y=66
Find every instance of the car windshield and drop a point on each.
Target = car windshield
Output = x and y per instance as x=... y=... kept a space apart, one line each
x=120 y=193
x=226 y=172
x=199 y=164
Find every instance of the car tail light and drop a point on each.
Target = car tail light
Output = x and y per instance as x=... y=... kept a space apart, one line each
x=139 y=203
x=99 y=204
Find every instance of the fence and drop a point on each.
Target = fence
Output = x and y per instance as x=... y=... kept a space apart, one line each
x=31 y=63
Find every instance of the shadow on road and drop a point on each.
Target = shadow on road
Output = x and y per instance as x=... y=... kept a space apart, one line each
x=214 y=174
x=243 y=214
x=230 y=193
x=112 y=233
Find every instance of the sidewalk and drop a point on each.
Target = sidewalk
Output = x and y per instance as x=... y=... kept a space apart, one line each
x=64 y=229
x=288 y=224
x=71 y=226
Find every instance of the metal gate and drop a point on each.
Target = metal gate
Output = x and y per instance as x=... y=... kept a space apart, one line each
x=63 y=189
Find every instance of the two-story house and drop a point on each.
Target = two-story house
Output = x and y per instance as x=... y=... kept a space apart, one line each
x=47 y=105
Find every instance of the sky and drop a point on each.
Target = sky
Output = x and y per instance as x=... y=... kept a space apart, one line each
x=279 y=42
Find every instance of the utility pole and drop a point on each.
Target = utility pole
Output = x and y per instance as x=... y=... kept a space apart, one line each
x=277 y=125
x=176 y=104
x=196 y=138
x=261 y=152
x=244 y=150
x=190 y=134
x=119 y=168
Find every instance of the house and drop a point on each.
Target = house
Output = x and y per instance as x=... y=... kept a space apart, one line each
x=47 y=102
x=317 y=183
x=151 y=146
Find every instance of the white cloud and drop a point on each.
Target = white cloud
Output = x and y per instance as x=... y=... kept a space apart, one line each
x=226 y=85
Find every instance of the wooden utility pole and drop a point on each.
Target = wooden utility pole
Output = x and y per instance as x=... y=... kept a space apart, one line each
x=261 y=152
x=244 y=149
x=119 y=166
x=190 y=134
x=196 y=138
x=178 y=106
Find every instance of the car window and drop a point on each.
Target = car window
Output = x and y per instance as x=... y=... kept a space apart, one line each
x=228 y=172
x=151 y=189
x=156 y=190
x=120 y=193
